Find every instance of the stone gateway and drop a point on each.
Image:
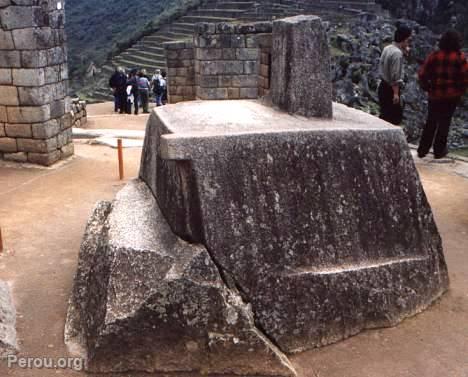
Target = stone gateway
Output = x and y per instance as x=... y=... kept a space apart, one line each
x=253 y=233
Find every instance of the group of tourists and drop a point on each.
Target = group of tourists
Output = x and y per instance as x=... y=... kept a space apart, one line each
x=443 y=75
x=134 y=89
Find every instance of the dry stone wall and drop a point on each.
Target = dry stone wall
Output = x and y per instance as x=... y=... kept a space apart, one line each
x=79 y=113
x=224 y=61
x=35 y=119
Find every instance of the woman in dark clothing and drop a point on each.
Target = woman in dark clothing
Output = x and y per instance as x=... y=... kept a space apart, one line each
x=444 y=75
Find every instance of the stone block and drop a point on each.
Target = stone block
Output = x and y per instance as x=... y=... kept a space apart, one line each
x=306 y=253
x=29 y=77
x=10 y=59
x=8 y=96
x=36 y=96
x=27 y=114
x=209 y=41
x=33 y=59
x=33 y=39
x=208 y=81
x=67 y=151
x=238 y=41
x=37 y=145
x=2 y=130
x=6 y=40
x=250 y=93
x=163 y=298
x=247 y=53
x=212 y=93
x=229 y=54
x=57 y=108
x=66 y=121
x=16 y=157
x=8 y=145
x=53 y=74
x=175 y=99
x=251 y=67
x=264 y=70
x=55 y=56
x=264 y=41
x=301 y=73
x=8 y=341
x=46 y=130
x=3 y=114
x=45 y=159
x=5 y=76
x=209 y=54
x=224 y=81
x=233 y=93
x=245 y=81
x=265 y=58
x=16 y=17
x=18 y=130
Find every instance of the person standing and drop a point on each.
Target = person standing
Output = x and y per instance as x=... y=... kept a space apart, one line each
x=157 y=88
x=143 y=90
x=118 y=84
x=163 y=82
x=444 y=75
x=391 y=68
x=132 y=88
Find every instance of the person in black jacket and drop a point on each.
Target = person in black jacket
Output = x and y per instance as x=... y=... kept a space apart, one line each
x=118 y=83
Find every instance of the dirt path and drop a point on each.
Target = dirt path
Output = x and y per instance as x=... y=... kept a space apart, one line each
x=43 y=213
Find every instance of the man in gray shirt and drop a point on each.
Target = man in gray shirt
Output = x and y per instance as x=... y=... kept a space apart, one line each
x=391 y=75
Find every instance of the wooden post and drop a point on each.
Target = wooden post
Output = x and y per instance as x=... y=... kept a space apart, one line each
x=1 y=241
x=120 y=154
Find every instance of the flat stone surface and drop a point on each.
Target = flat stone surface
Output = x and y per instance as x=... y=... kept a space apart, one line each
x=144 y=300
x=322 y=224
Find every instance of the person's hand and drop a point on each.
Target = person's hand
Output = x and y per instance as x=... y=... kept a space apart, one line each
x=396 y=99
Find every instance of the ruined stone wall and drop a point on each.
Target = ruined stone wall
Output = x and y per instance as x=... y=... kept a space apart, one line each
x=79 y=113
x=35 y=119
x=225 y=61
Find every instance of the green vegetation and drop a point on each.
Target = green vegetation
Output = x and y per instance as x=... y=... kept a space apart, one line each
x=97 y=30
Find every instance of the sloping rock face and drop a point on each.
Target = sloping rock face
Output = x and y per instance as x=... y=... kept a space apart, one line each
x=145 y=300
x=322 y=225
x=8 y=344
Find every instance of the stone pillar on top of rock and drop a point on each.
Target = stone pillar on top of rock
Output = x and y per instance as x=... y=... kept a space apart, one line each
x=35 y=124
x=301 y=67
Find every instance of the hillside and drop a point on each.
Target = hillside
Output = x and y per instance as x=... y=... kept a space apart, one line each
x=94 y=29
x=436 y=14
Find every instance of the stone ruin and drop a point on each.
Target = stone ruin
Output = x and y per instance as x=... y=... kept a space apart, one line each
x=35 y=119
x=254 y=232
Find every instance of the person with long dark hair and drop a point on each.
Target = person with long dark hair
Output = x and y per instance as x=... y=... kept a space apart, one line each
x=444 y=75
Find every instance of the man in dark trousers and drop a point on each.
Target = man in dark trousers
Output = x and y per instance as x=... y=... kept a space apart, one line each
x=391 y=75
x=444 y=75
x=118 y=83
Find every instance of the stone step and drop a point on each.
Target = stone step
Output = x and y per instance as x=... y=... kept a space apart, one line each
x=196 y=19
x=129 y=64
x=138 y=59
x=143 y=53
x=229 y=13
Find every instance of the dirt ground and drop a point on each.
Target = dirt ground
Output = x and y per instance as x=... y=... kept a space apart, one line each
x=43 y=213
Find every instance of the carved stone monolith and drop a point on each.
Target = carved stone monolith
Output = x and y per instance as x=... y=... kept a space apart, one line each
x=301 y=76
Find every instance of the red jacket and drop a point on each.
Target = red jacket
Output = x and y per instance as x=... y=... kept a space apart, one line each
x=444 y=75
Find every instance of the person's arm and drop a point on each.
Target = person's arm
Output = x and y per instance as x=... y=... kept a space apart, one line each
x=465 y=72
x=396 y=75
x=424 y=74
